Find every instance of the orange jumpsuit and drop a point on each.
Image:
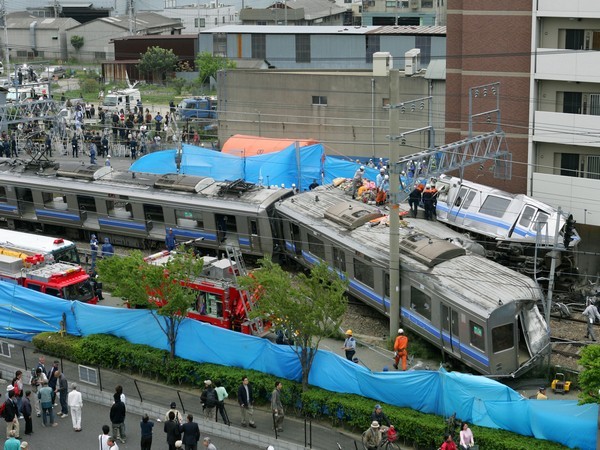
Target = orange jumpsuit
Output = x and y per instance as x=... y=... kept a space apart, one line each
x=400 y=347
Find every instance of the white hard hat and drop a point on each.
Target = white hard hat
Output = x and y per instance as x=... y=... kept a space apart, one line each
x=400 y=331
x=387 y=177
x=362 y=167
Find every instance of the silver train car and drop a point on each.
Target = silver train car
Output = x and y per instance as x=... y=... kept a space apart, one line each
x=507 y=224
x=475 y=310
x=135 y=210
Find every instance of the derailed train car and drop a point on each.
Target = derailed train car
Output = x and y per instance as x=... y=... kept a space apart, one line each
x=135 y=209
x=477 y=311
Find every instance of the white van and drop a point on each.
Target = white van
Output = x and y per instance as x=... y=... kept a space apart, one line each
x=121 y=99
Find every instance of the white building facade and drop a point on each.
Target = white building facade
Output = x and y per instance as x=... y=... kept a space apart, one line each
x=564 y=132
x=198 y=17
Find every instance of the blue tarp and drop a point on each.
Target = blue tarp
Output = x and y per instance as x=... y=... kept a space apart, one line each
x=287 y=167
x=24 y=313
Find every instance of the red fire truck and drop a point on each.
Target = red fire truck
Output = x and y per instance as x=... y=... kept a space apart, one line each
x=219 y=300
x=63 y=280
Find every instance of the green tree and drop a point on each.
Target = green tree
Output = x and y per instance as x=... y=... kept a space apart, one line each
x=589 y=378
x=208 y=65
x=77 y=42
x=306 y=307
x=160 y=288
x=158 y=62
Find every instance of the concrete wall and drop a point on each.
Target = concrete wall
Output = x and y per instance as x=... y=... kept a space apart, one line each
x=354 y=122
x=97 y=36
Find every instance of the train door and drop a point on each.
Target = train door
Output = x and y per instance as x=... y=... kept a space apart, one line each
x=450 y=330
x=459 y=206
x=254 y=236
x=296 y=238
x=25 y=200
x=226 y=227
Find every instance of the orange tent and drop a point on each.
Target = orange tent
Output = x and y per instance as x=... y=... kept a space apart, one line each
x=242 y=145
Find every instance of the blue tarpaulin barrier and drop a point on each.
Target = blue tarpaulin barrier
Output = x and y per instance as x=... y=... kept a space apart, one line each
x=476 y=399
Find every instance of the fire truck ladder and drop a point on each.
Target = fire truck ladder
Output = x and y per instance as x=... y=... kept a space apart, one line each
x=235 y=256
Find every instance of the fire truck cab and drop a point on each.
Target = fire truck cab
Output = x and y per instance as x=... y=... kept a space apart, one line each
x=63 y=280
x=219 y=301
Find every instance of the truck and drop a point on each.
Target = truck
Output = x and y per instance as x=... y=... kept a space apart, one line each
x=124 y=99
x=219 y=300
x=63 y=280
x=197 y=108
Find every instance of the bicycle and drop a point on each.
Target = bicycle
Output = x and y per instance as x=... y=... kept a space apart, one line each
x=384 y=444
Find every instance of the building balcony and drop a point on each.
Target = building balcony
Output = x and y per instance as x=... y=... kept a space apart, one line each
x=558 y=190
x=570 y=8
x=567 y=129
x=567 y=65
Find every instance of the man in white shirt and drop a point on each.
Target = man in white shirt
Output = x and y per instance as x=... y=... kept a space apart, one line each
x=75 y=402
x=591 y=313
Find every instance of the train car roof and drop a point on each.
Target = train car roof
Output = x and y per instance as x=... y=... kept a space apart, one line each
x=174 y=188
x=484 y=283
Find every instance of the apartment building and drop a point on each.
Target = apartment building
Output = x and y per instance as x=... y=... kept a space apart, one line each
x=564 y=148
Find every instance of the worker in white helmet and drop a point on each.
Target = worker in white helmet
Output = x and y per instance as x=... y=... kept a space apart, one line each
x=401 y=349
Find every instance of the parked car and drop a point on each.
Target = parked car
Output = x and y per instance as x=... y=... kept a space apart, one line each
x=52 y=72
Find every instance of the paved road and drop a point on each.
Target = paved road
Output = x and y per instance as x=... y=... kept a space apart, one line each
x=63 y=437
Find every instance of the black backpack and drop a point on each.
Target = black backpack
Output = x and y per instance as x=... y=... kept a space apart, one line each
x=211 y=398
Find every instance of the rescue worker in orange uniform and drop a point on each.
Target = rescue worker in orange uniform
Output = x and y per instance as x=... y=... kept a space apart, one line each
x=401 y=349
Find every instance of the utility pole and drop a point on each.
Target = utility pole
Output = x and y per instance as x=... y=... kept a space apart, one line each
x=56 y=6
x=4 y=22
x=130 y=11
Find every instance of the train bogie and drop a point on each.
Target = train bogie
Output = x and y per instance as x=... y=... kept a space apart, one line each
x=479 y=312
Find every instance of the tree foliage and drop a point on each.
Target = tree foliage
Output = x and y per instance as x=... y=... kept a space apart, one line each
x=158 y=62
x=208 y=65
x=307 y=308
x=160 y=288
x=589 y=378
x=77 y=42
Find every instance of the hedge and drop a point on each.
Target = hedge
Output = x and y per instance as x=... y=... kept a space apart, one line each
x=423 y=431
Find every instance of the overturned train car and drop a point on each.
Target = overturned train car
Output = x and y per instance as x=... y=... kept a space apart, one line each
x=477 y=311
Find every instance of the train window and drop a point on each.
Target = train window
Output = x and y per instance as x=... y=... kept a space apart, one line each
x=339 y=259
x=420 y=302
x=3 y=194
x=503 y=337
x=86 y=203
x=154 y=213
x=460 y=196
x=189 y=219
x=296 y=237
x=316 y=247
x=526 y=216
x=494 y=206
x=469 y=199
x=542 y=217
x=119 y=209
x=363 y=273
x=477 y=335
x=54 y=200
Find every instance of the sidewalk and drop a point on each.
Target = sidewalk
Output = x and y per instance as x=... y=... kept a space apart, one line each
x=296 y=432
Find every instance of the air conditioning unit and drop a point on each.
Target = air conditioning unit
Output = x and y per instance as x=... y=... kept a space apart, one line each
x=414 y=4
x=412 y=62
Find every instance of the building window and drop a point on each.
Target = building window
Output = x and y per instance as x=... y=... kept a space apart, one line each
x=569 y=164
x=593 y=167
x=316 y=247
x=99 y=55
x=574 y=39
x=5 y=349
x=223 y=19
x=319 y=100
x=404 y=4
x=22 y=53
x=420 y=302
x=219 y=44
x=200 y=22
x=391 y=4
x=426 y=3
x=259 y=46
x=372 y=45
x=424 y=44
x=88 y=375
x=572 y=102
x=477 y=335
x=303 y=48
x=363 y=272
x=494 y=206
x=261 y=22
